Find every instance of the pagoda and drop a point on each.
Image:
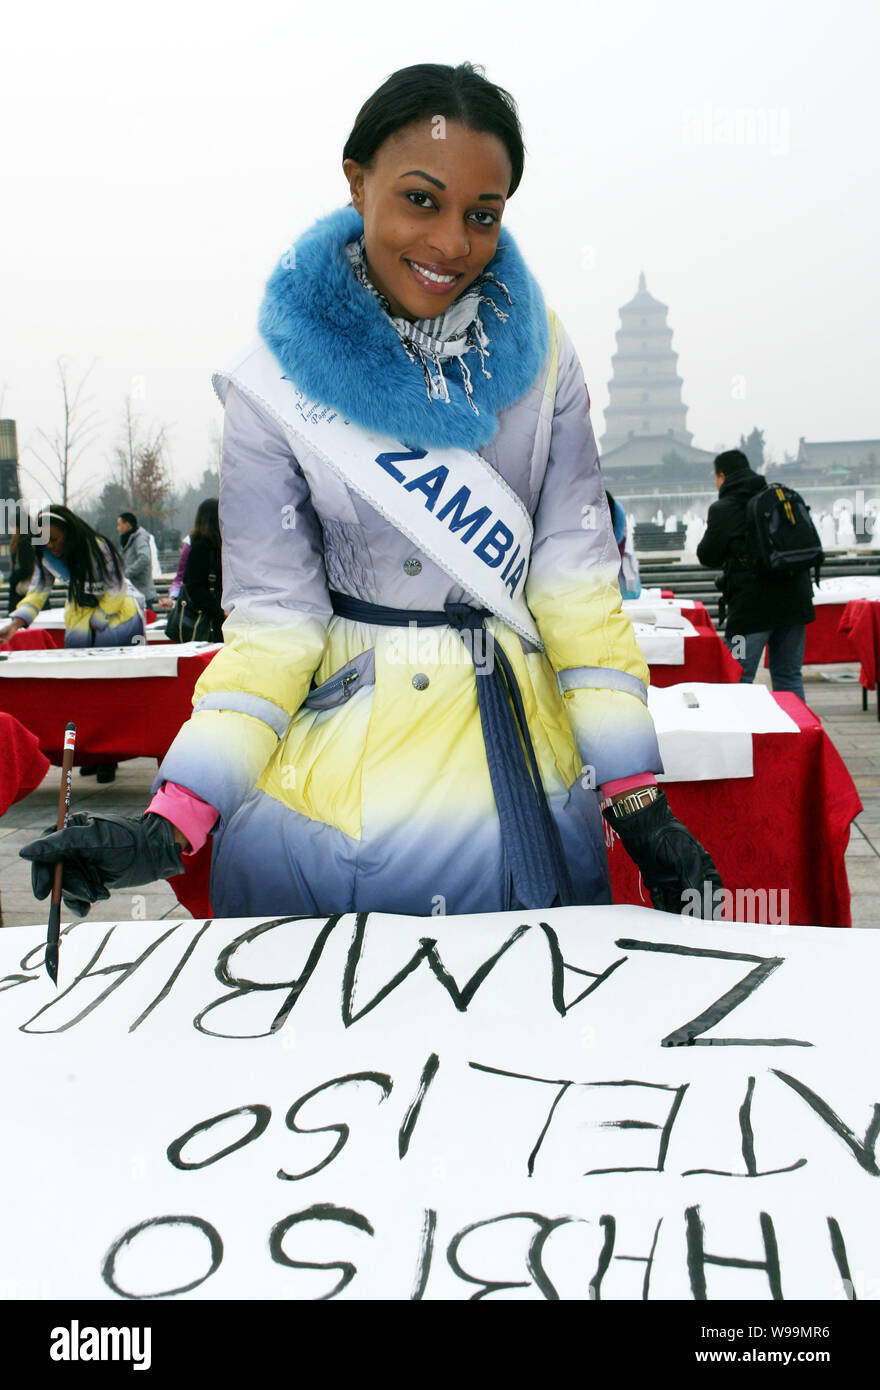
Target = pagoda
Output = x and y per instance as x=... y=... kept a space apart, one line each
x=645 y=389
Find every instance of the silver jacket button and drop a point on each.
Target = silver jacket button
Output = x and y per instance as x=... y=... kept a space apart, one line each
x=412 y=567
x=420 y=682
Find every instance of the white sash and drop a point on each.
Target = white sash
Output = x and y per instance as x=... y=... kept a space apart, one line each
x=451 y=503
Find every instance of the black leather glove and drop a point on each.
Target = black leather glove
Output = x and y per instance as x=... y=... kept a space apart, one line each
x=669 y=858
x=100 y=853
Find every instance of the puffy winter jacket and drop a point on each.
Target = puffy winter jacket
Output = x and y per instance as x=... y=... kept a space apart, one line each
x=347 y=760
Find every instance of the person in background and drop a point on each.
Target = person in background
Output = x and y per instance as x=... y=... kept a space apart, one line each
x=629 y=579
x=21 y=553
x=760 y=612
x=101 y=608
x=203 y=576
x=136 y=556
x=177 y=582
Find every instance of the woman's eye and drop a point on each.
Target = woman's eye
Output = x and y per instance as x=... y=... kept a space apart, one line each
x=415 y=194
x=491 y=217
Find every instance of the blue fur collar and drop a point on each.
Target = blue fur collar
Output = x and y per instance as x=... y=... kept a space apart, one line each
x=337 y=345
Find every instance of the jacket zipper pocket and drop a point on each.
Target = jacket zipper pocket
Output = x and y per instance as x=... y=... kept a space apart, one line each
x=333 y=692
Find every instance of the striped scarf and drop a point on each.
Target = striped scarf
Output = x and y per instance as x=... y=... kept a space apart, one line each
x=431 y=342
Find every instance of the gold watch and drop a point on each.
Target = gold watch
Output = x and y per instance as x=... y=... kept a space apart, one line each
x=634 y=801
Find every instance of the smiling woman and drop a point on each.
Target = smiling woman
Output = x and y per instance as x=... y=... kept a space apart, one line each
x=408 y=449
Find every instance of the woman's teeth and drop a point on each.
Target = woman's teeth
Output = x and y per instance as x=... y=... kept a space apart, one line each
x=432 y=275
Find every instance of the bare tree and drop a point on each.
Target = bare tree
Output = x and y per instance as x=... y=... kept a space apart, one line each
x=61 y=453
x=126 y=449
x=139 y=453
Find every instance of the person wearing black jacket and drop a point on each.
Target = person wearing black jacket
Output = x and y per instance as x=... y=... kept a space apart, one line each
x=203 y=576
x=760 y=612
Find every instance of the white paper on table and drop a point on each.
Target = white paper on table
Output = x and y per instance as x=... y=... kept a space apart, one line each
x=713 y=741
x=655 y=614
x=844 y=588
x=537 y=1114
x=663 y=646
x=95 y=663
x=48 y=617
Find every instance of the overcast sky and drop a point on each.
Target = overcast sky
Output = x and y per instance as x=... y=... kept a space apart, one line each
x=158 y=158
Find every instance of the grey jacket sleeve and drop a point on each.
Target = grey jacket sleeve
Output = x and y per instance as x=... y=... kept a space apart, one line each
x=275 y=595
x=138 y=563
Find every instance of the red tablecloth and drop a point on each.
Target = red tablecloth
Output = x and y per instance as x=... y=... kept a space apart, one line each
x=22 y=765
x=115 y=719
x=787 y=826
x=699 y=615
x=38 y=639
x=705 y=659
x=860 y=626
x=826 y=645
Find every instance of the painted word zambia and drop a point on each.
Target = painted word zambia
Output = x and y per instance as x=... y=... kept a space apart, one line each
x=494 y=547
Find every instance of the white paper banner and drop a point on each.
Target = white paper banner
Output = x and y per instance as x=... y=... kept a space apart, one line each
x=606 y=1102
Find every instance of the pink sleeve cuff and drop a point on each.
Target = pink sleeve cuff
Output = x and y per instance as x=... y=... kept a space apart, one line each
x=626 y=784
x=193 y=816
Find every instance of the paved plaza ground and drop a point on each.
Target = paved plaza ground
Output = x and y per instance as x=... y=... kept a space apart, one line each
x=832 y=692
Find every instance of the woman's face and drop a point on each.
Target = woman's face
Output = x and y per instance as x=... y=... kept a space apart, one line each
x=431 y=201
x=55 y=543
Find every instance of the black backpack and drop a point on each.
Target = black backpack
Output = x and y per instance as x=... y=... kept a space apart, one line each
x=781 y=539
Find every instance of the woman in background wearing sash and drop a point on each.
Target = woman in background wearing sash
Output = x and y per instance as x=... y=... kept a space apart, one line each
x=371 y=736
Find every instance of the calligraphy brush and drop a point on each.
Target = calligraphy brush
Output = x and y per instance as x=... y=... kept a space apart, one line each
x=52 y=939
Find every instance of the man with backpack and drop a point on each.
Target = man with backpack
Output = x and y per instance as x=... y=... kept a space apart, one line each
x=763 y=539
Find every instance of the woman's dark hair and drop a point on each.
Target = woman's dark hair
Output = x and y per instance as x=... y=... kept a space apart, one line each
x=20 y=548
x=427 y=90
x=92 y=559
x=207 y=521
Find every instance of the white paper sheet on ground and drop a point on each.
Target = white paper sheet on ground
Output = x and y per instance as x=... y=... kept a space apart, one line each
x=714 y=739
x=539 y=1102
x=847 y=587
x=663 y=646
x=91 y=663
